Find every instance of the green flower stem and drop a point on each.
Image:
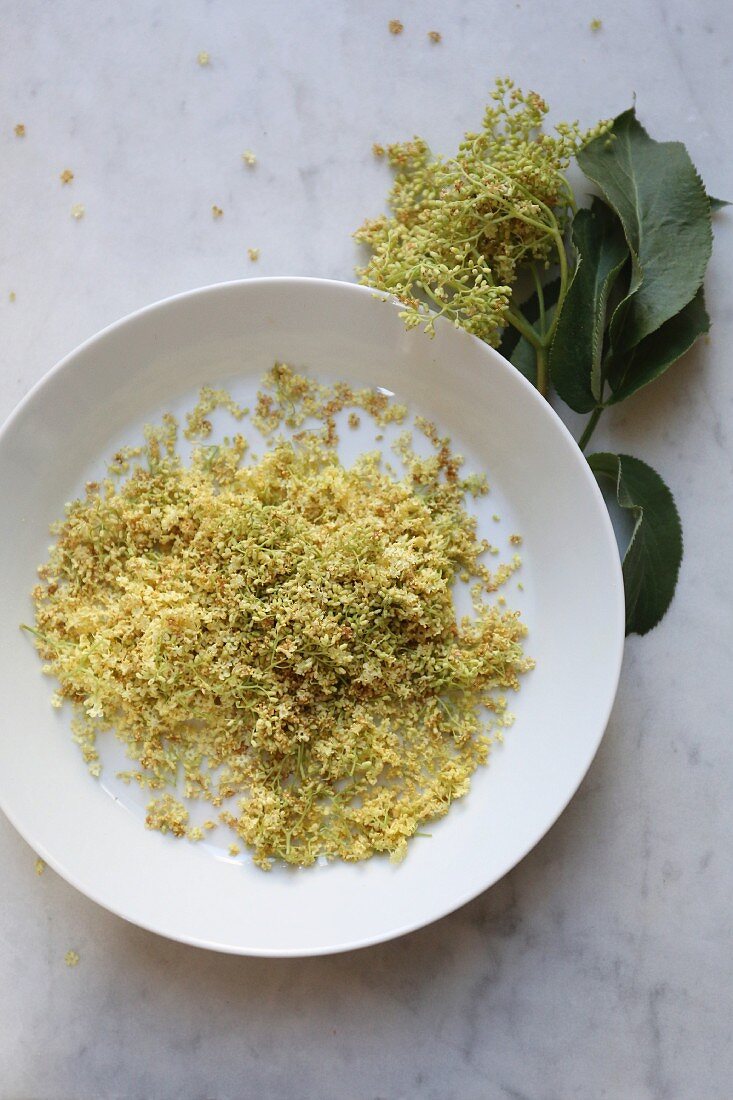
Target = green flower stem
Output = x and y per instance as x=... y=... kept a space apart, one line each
x=525 y=329
x=590 y=427
x=563 y=260
x=542 y=370
x=540 y=298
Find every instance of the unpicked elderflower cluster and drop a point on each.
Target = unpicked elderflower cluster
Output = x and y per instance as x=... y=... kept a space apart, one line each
x=462 y=228
x=280 y=638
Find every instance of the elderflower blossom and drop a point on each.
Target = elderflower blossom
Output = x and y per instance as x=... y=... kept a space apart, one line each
x=462 y=228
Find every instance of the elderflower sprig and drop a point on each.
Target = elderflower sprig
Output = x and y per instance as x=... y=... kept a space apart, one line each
x=471 y=237
x=463 y=229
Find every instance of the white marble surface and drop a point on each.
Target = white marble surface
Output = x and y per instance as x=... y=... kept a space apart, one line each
x=602 y=966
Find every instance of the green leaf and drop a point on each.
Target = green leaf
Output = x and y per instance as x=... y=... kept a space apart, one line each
x=577 y=347
x=653 y=355
x=717 y=204
x=513 y=346
x=652 y=559
x=660 y=199
x=524 y=358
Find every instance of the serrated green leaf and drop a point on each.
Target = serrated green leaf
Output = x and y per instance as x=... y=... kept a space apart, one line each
x=717 y=204
x=652 y=560
x=577 y=347
x=524 y=358
x=655 y=354
x=513 y=346
x=660 y=199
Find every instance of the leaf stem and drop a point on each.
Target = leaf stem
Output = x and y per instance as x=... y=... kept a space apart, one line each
x=590 y=427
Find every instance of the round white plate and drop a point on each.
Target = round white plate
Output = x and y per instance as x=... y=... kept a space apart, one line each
x=92 y=832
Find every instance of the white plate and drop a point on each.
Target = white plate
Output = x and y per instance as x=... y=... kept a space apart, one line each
x=92 y=832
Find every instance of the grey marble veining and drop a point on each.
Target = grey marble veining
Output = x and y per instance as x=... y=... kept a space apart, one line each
x=602 y=966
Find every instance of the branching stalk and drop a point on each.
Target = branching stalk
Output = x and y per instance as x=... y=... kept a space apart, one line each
x=525 y=329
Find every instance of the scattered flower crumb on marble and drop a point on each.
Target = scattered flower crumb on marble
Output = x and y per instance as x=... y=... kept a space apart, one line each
x=216 y=211
x=204 y=58
x=11 y=296
x=253 y=253
x=78 y=211
x=39 y=866
x=71 y=958
x=435 y=37
x=20 y=129
x=249 y=158
x=66 y=176
x=395 y=26
x=596 y=24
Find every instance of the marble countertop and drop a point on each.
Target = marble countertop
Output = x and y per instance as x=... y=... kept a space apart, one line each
x=602 y=966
